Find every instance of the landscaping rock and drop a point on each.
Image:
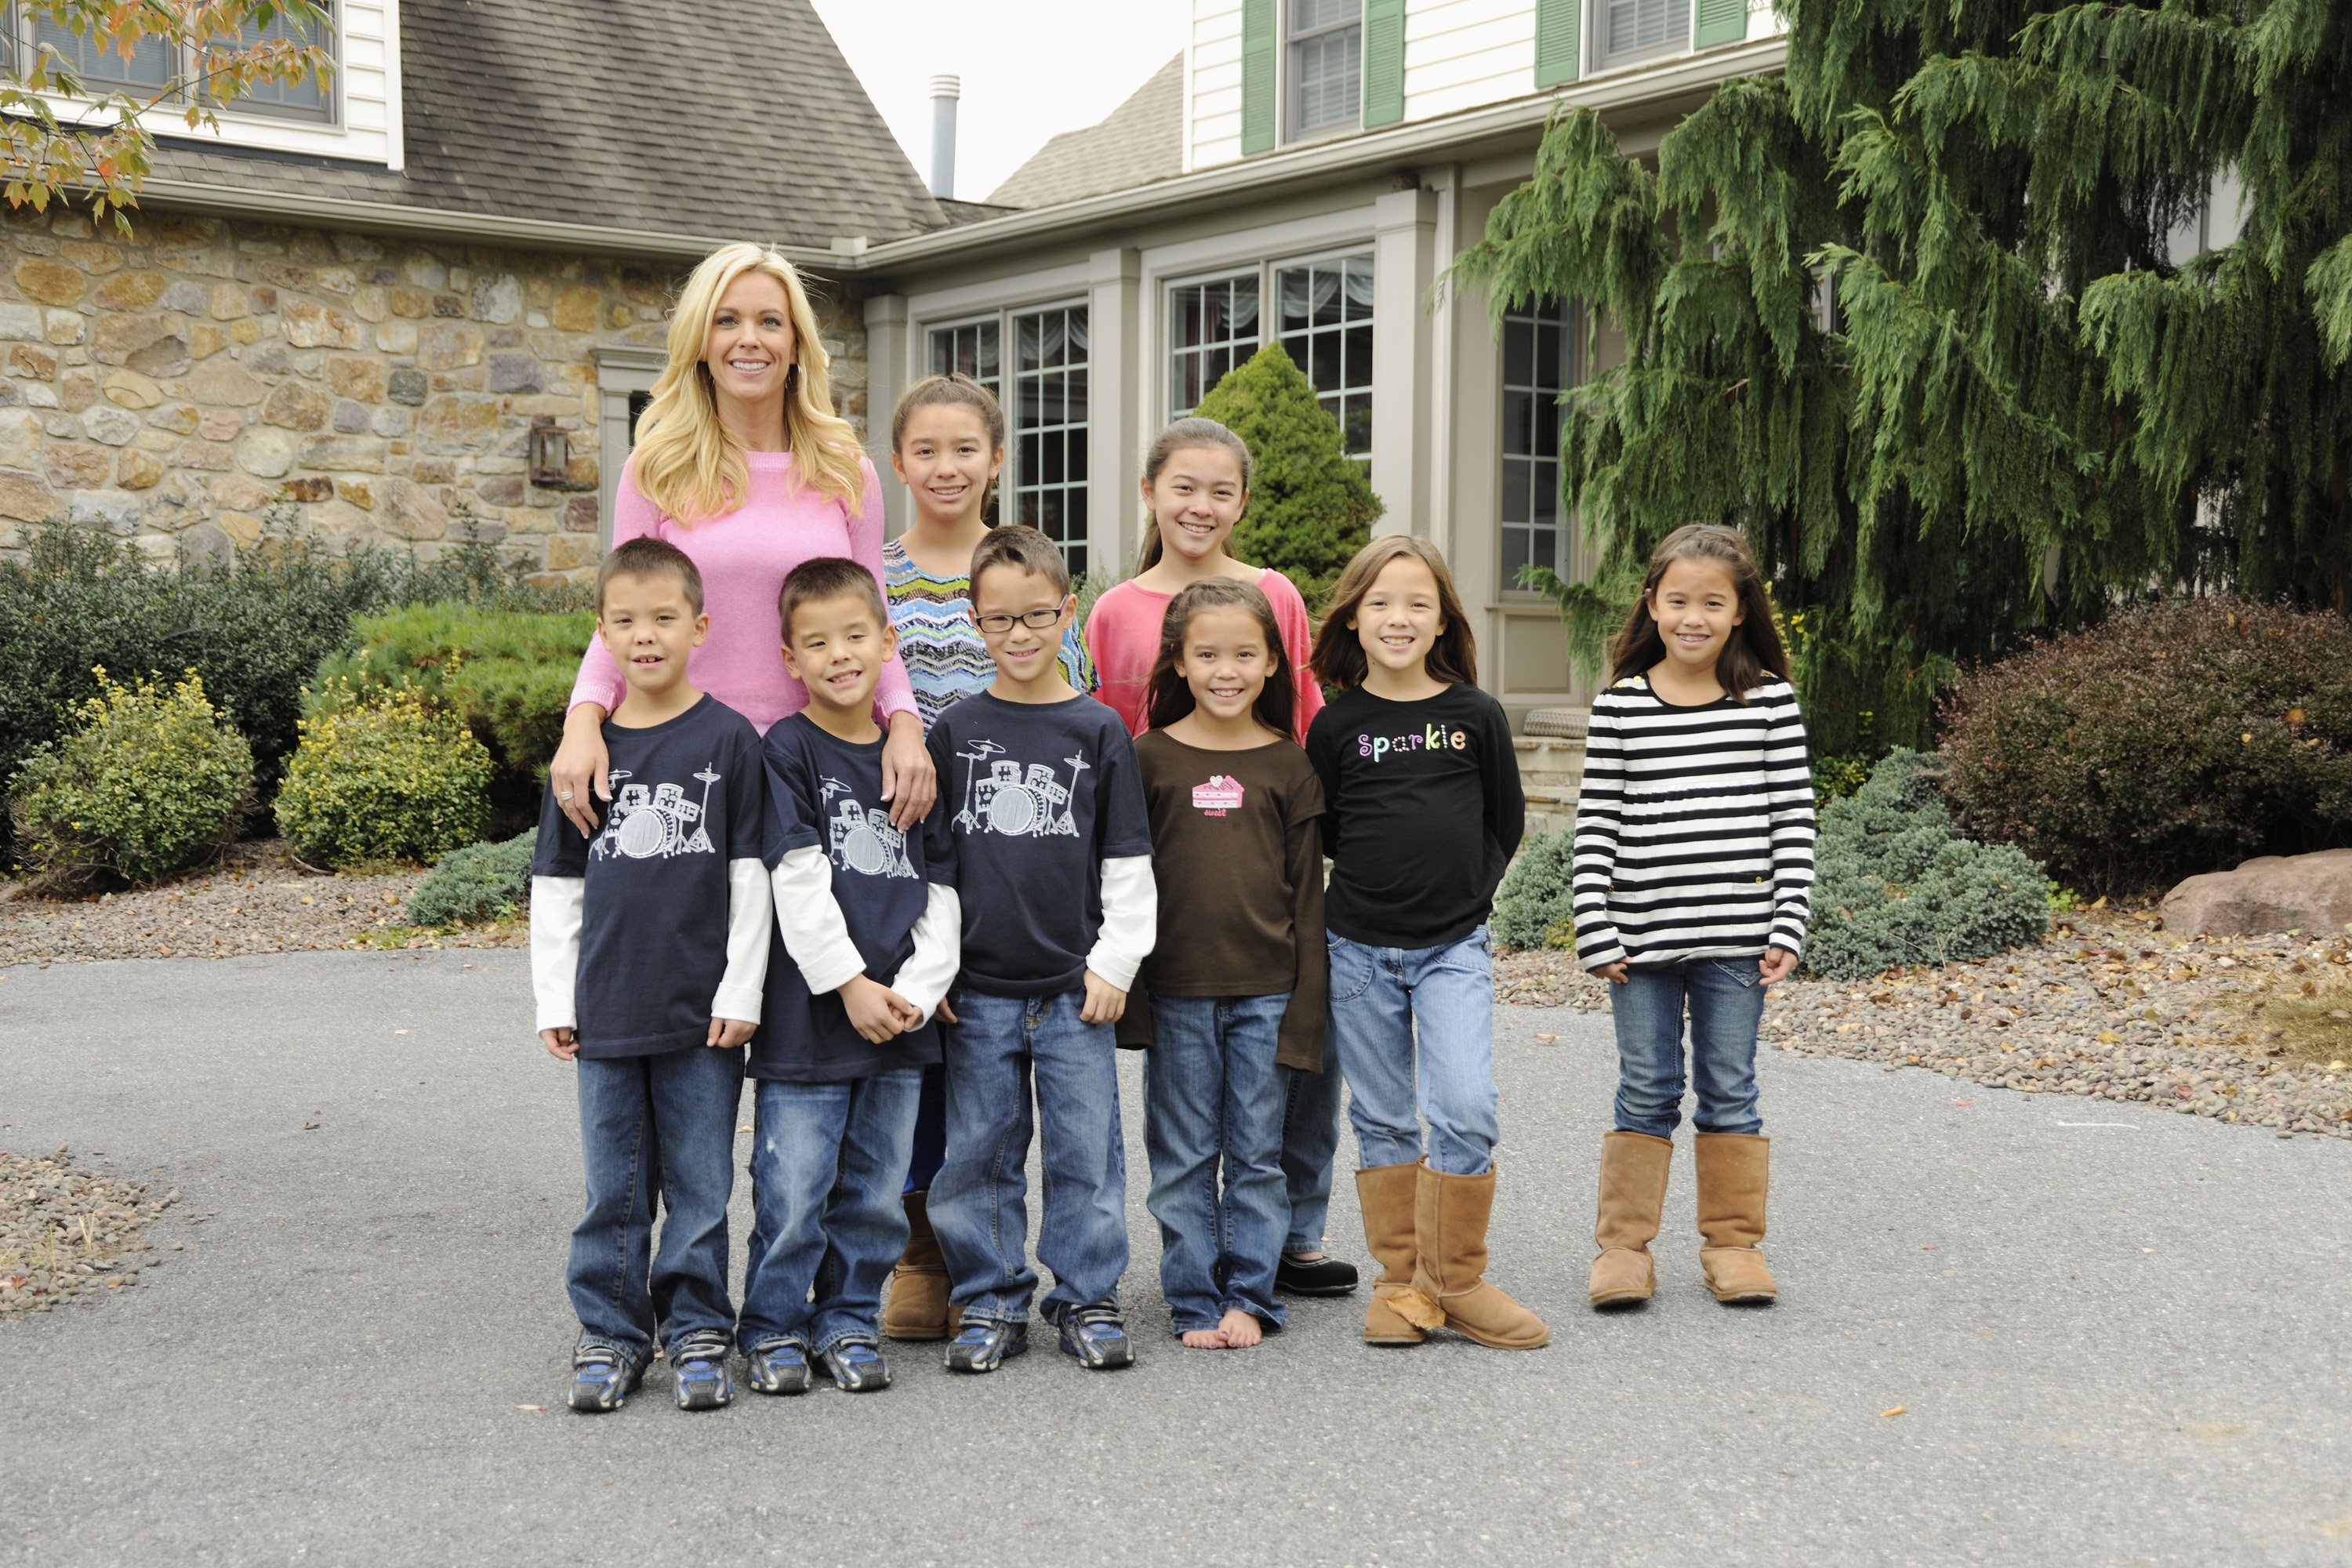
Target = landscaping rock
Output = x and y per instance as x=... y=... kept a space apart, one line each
x=2270 y=894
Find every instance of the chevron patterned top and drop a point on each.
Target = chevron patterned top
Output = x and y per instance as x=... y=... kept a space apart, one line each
x=940 y=646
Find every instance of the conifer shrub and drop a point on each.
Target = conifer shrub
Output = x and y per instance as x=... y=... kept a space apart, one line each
x=1535 y=906
x=476 y=884
x=2179 y=737
x=384 y=776
x=1897 y=885
x=1312 y=507
x=149 y=782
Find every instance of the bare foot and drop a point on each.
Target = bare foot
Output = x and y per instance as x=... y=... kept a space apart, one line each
x=1239 y=1330
x=1208 y=1339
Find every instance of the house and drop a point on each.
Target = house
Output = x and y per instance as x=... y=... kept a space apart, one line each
x=1302 y=174
x=434 y=285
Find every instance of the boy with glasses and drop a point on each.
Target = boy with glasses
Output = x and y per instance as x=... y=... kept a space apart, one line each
x=1052 y=856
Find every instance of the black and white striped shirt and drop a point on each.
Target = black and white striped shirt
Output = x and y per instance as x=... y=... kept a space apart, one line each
x=1694 y=830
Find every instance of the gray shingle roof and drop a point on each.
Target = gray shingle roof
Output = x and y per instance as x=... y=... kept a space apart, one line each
x=703 y=117
x=1141 y=141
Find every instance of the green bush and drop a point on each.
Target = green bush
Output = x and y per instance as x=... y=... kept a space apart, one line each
x=149 y=783
x=479 y=883
x=384 y=776
x=79 y=596
x=507 y=673
x=2179 y=737
x=1535 y=905
x=1310 y=505
x=1897 y=885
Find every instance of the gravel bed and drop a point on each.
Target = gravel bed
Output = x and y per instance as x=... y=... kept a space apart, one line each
x=2255 y=1030
x=260 y=899
x=68 y=1231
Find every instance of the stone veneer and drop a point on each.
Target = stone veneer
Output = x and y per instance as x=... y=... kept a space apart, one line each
x=174 y=383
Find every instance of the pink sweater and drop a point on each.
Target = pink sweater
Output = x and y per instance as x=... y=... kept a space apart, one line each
x=1123 y=635
x=744 y=556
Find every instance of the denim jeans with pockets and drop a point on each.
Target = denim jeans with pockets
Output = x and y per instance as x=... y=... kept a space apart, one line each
x=1724 y=999
x=1213 y=1096
x=1002 y=1048
x=828 y=1166
x=661 y=1123
x=1414 y=1032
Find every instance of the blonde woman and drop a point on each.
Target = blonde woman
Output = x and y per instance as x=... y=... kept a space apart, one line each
x=742 y=463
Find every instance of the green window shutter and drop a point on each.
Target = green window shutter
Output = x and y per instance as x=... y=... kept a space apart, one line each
x=1383 y=62
x=1258 y=64
x=1718 y=22
x=1558 y=23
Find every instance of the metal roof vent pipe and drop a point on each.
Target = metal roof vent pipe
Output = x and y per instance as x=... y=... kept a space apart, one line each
x=945 y=89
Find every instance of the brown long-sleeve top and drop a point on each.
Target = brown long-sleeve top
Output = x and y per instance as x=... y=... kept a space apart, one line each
x=1237 y=852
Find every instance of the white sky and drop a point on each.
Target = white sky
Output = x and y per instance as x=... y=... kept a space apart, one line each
x=1031 y=69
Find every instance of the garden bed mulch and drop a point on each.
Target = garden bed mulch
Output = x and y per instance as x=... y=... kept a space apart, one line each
x=2255 y=1030
x=258 y=900
x=71 y=1231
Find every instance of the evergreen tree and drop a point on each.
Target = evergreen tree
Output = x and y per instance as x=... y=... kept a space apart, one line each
x=1921 y=315
x=1310 y=505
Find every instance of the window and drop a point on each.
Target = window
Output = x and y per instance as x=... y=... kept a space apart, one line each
x=1326 y=65
x=102 y=67
x=1211 y=327
x=971 y=349
x=1539 y=357
x=310 y=99
x=1049 y=428
x=1632 y=29
x=1327 y=328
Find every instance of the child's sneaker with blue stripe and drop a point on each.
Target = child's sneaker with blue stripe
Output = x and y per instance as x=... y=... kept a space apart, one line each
x=602 y=1378
x=699 y=1359
x=983 y=1346
x=856 y=1367
x=777 y=1366
x=1096 y=1335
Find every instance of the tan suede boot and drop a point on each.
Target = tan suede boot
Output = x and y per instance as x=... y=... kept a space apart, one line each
x=1397 y=1314
x=1450 y=1215
x=1733 y=1169
x=1633 y=1199
x=917 y=1305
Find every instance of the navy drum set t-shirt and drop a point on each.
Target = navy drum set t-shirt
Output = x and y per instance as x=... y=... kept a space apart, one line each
x=688 y=798
x=826 y=793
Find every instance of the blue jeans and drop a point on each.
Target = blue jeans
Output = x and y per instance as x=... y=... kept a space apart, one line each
x=1310 y=1137
x=1726 y=999
x=1414 y=1032
x=828 y=1163
x=978 y=1202
x=931 y=1122
x=662 y=1123
x=1212 y=1092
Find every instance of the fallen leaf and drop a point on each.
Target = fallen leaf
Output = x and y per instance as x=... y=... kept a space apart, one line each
x=308 y=899
x=742 y=1130
x=1546 y=1040
x=1964 y=1102
x=310 y=1127
x=1896 y=1411
x=400 y=1031
x=540 y=1408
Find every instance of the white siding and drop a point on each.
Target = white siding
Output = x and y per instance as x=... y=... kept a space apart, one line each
x=1762 y=22
x=1212 y=85
x=367 y=91
x=1460 y=54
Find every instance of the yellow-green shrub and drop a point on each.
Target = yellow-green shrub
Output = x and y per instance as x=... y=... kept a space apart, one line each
x=148 y=783
x=382 y=776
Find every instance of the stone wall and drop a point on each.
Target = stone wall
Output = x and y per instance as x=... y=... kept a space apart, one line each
x=177 y=384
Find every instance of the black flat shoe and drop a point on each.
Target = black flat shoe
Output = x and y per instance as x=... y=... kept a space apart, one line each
x=1324 y=1276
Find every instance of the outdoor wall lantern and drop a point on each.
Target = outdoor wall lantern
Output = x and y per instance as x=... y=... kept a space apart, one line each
x=550 y=455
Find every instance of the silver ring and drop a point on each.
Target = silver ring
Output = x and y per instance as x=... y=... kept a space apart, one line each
x=564 y=794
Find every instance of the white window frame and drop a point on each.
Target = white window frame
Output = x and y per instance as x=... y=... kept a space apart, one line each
x=1289 y=99
x=19 y=26
x=1014 y=482
x=1571 y=320
x=1269 y=270
x=1270 y=318
x=1672 y=46
x=1242 y=348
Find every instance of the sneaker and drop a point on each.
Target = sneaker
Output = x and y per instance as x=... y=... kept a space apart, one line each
x=983 y=1346
x=602 y=1378
x=856 y=1367
x=777 y=1366
x=1096 y=1335
x=1323 y=1276
x=700 y=1359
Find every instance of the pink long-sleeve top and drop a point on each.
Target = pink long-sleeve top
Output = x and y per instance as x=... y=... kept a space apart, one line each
x=744 y=556
x=1123 y=635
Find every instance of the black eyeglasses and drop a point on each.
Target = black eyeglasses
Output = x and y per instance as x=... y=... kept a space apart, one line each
x=1035 y=620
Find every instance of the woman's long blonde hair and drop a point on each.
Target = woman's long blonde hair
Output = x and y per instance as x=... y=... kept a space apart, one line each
x=686 y=463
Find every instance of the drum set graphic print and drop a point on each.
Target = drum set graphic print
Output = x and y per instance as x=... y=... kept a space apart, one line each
x=860 y=837
x=1018 y=804
x=648 y=824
